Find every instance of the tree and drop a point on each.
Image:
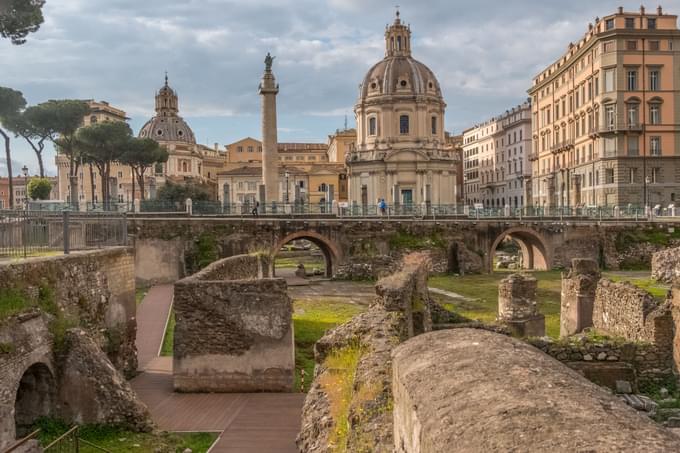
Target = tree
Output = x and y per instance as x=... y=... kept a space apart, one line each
x=102 y=144
x=180 y=192
x=25 y=125
x=39 y=188
x=142 y=154
x=11 y=103
x=18 y=18
x=59 y=121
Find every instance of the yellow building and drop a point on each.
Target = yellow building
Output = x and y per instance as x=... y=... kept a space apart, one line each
x=605 y=121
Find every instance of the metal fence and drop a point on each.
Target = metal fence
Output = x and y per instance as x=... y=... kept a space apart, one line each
x=38 y=233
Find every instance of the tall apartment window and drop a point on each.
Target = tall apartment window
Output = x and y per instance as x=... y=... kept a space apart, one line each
x=670 y=44
x=631 y=79
x=590 y=90
x=608 y=47
x=610 y=116
x=250 y=149
x=577 y=99
x=633 y=115
x=633 y=145
x=654 y=146
x=656 y=175
x=651 y=23
x=372 y=126
x=609 y=80
x=609 y=176
x=239 y=149
x=609 y=24
x=631 y=45
x=630 y=22
x=654 y=46
x=632 y=173
x=655 y=114
x=403 y=124
x=654 y=80
x=434 y=125
x=557 y=110
x=597 y=86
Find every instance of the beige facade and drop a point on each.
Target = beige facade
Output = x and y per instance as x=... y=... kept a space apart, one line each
x=606 y=116
x=496 y=161
x=400 y=153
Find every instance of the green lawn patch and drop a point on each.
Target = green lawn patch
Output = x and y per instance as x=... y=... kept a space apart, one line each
x=117 y=440
x=169 y=337
x=11 y=303
x=140 y=293
x=482 y=294
x=656 y=289
x=311 y=319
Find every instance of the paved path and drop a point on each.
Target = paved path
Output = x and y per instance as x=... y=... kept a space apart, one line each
x=450 y=294
x=152 y=316
x=247 y=423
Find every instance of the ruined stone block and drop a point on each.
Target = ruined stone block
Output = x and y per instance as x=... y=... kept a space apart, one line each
x=517 y=307
x=578 y=296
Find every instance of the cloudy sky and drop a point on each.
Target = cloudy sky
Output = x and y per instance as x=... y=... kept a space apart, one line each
x=484 y=53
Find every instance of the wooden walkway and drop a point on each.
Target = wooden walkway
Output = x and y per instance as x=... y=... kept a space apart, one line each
x=247 y=423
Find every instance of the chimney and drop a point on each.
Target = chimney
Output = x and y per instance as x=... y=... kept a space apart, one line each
x=217 y=146
x=659 y=10
x=590 y=27
x=642 y=10
x=620 y=9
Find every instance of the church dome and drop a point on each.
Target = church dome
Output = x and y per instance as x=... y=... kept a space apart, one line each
x=399 y=73
x=167 y=125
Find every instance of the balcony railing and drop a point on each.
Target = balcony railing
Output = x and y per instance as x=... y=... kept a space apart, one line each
x=562 y=146
x=618 y=127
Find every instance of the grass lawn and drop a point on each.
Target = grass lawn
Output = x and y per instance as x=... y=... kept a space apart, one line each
x=656 y=289
x=116 y=440
x=140 y=293
x=292 y=262
x=483 y=292
x=169 y=336
x=312 y=318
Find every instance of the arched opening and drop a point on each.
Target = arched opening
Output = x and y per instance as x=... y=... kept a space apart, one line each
x=306 y=248
x=34 y=399
x=523 y=247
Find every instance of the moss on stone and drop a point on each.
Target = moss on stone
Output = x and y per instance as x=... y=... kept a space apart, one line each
x=6 y=348
x=404 y=240
x=12 y=302
x=627 y=239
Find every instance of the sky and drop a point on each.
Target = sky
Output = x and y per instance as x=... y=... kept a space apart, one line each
x=484 y=53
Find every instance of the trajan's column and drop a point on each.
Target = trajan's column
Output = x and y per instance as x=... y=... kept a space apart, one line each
x=270 y=160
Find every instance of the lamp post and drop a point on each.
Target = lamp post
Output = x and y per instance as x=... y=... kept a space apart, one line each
x=648 y=181
x=24 y=170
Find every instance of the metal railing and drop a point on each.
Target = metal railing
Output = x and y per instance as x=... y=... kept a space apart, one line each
x=69 y=442
x=22 y=442
x=37 y=233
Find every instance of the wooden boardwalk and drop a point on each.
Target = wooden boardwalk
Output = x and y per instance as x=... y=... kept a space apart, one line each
x=247 y=423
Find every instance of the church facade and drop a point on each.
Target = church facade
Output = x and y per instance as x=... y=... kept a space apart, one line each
x=401 y=154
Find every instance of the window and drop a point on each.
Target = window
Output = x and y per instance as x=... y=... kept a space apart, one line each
x=632 y=174
x=633 y=115
x=250 y=149
x=654 y=82
x=252 y=185
x=651 y=23
x=656 y=175
x=654 y=45
x=655 y=114
x=630 y=22
x=609 y=176
x=403 y=124
x=434 y=125
x=633 y=145
x=631 y=45
x=259 y=149
x=609 y=78
x=610 y=116
x=323 y=187
x=609 y=24
x=631 y=79
x=120 y=174
x=239 y=149
x=608 y=47
x=655 y=146
x=93 y=119
x=372 y=126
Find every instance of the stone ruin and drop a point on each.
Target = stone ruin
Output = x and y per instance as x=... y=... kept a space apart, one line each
x=578 y=296
x=68 y=352
x=666 y=265
x=234 y=329
x=517 y=307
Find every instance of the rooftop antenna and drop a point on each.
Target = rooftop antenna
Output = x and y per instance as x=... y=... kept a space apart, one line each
x=345 y=121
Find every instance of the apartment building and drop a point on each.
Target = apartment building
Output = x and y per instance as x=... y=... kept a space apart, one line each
x=605 y=118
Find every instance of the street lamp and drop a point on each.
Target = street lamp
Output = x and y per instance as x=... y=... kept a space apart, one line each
x=648 y=181
x=24 y=170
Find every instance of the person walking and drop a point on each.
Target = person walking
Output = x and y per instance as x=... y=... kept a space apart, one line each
x=382 y=206
x=257 y=206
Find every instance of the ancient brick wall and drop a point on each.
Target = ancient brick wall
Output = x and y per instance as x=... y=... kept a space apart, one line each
x=626 y=311
x=233 y=330
x=666 y=265
x=95 y=290
x=473 y=390
x=578 y=296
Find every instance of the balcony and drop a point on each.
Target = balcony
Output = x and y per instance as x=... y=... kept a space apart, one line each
x=533 y=156
x=618 y=128
x=562 y=146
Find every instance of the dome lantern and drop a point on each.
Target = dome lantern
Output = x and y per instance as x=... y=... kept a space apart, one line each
x=397 y=39
x=166 y=100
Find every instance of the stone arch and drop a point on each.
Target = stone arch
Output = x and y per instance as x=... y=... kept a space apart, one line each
x=35 y=397
x=331 y=252
x=535 y=251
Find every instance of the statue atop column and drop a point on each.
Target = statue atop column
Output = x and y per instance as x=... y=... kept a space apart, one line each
x=268 y=60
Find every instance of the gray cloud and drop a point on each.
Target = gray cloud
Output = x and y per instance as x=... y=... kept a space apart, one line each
x=484 y=53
